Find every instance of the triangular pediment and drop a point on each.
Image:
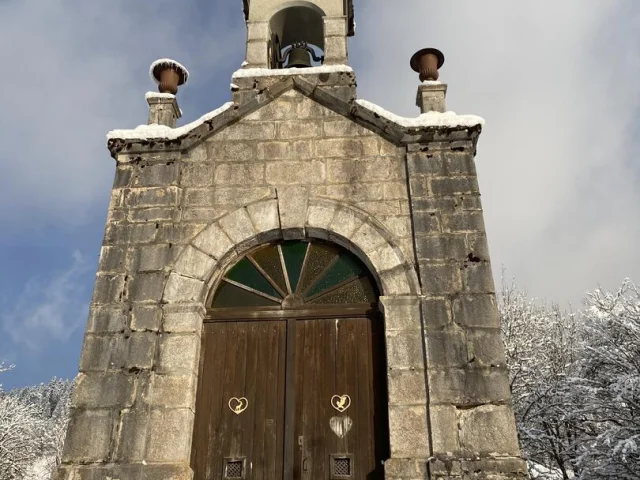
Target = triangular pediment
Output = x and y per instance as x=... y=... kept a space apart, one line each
x=341 y=101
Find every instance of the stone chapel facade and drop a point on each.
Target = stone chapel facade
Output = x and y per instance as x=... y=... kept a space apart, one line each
x=295 y=286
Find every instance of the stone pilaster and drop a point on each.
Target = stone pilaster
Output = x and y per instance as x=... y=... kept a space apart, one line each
x=472 y=427
x=163 y=109
x=432 y=97
x=408 y=416
x=335 y=41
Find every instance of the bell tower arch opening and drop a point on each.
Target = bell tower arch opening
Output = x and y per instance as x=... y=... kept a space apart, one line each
x=293 y=371
x=297 y=37
x=299 y=33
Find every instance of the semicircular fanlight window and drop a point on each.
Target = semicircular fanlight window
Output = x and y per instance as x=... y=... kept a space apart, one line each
x=314 y=274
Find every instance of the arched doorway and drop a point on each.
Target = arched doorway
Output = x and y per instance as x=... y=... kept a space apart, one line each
x=292 y=378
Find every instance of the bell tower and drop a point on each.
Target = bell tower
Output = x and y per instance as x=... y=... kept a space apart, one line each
x=299 y=34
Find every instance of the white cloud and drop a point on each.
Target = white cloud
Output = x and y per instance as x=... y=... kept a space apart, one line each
x=72 y=72
x=556 y=82
x=557 y=85
x=49 y=309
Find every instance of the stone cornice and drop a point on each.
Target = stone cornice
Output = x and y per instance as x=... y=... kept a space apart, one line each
x=334 y=91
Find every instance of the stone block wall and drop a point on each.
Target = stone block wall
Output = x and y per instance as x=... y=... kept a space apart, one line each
x=297 y=162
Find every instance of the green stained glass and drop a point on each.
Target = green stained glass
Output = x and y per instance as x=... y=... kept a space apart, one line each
x=294 y=253
x=246 y=274
x=345 y=268
x=359 y=290
x=323 y=274
x=318 y=259
x=269 y=260
x=228 y=296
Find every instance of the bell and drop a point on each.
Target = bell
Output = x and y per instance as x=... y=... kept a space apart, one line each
x=299 y=57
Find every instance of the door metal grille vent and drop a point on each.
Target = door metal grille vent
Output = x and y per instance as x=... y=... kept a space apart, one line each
x=234 y=469
x=341 y=467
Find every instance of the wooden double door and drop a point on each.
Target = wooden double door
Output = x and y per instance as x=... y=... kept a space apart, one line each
x=291 y=399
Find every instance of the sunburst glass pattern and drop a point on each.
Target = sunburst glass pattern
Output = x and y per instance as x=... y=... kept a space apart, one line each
x=299 y=273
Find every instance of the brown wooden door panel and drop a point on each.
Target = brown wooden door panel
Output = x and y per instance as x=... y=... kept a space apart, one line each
x=298 y=366
x=243 y=361
x=334 y=359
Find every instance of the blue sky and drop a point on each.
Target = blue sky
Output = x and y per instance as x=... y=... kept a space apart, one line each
x=558 y=160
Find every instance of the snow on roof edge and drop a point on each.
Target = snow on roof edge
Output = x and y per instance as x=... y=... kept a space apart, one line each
x=162 y=132
x=268 y=72
x=429 y=119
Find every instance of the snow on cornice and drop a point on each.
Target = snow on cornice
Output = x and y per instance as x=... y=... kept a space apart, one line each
x=149 y=95
x=429 y=119
x=162 y=132
x=268 y=72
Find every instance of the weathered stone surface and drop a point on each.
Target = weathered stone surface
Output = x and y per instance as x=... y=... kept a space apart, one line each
x=453 y=185
x=293 y=203
x=345 y=223
x=488 y=429
x=463 y=222
x=408 y=432
x=172 y=391
x=405 y=468
x=385 y=257
x=446 y=348
x=91 y=436
x=436 y=312
x=486 y=347
x=108 y=319
x=109 y=289
x=407 y=387
x=182 y=319
x=476 y=311
x=295 y=173
x=368 y=238
x=146 y=318
x=178 y=354
x=404 y=350
x=113 y=259
x=141 y=351
x=239 y=173
x=160 y=175
x=444 y=429
x=181 y=289
x=478 y=278
x=169 y=435
x=471 y=386
x=264 y=216
x=103 y=390
x=237 y=225
x=320 y=216
x=297 y=129
x=439 y=279
x=151 y=197
x=146 y=286
x=194 y=263
x=401 y=313
x=132 y=440
x=441 y=247
x=213 y=241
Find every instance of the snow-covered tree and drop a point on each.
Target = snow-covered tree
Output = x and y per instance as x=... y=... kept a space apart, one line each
x=541 y=343
x=610 y=383
x=20 y=437
x=575 y=381
x=33 y=422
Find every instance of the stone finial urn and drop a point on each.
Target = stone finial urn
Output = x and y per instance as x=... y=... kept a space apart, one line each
x=427 y=62
x=168 y=74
